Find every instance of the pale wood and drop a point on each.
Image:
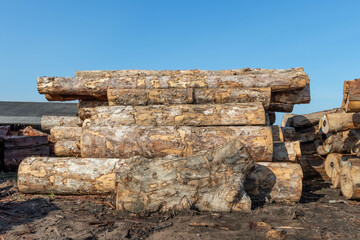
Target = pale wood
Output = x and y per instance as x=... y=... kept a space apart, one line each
x=338 y=122
x=282 y=134
x=278 y=182
x=239 y=114
x=350 y=181
x=149 y=141
x=292 y=97
x=67 y=148
x=351 y=96
x=66 y=133
x=209 y=182
x=48 y=122
x=342 y=142
x=280 y=107
x=286 y=151
x=46 y=175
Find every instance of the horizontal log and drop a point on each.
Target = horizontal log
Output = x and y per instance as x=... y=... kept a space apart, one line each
x=24 y=141
x=48 y=122
x=92 y=103
x=54 y=175
x=310 y=148
x=280 y=107
x=149 y=141
x=292 y=97
x=176 y=115
x=277 y=182
x=282 y=134
x=209 y=182
x=338 y=122
x=67 y=149
x=342 y=142
x=313 y=167
x=59 y=97
x=66 y=133
x=286 y=151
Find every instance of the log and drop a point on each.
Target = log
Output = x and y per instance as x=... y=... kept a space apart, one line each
x=67 y=149
x=66 y=133
x=350 y=181
x=313 y=167
x=239 y=114
x=63 y=176
x=272 y=118
x=307 y=134
x=59 y=97
x=342 y=142
x=96 y=83
x=209 y=182
x=338 y=122
x=91 y=103
x=286 y=151
x=282 y=134
x=276 y=182
x=149 y=141
x=334 y=163
x=310 y=148
x=280 y=107
x=29 y=131
x=5 y=130
x=292 y=97
x=351 y=96
x=287 y=120
x=48 y=122
x=24 y=141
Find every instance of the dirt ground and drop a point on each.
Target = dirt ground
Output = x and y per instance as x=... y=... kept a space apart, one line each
x=321 y=214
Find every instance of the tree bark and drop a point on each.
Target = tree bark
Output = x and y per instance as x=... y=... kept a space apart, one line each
x=46 y=175
x=286 y=151
x=313 y=167
x=67 y=149
x=338 y=122
x=272 y=118
x=333 y=164
x=308 y=134
x=176 y=115
x=282 y=134
x=292 y=97
x=209 y=182
x=66 y=133
x=48 y=122
x=278 y=182
x=280 y=107
x=351 y=96
x=342 y=142
x=91 y=103
x=149 y=141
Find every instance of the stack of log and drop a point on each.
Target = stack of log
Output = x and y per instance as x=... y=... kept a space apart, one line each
x=166 y=140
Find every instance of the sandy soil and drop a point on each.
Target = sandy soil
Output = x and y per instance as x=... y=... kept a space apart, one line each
x=321 y=214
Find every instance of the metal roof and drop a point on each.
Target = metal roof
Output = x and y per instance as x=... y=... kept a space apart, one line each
x=30 y=113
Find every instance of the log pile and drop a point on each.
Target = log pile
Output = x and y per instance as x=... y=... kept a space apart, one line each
x=173 y=139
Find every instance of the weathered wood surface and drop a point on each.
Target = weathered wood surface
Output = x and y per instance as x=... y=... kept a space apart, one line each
x=24 y=141
x=48 y=122
x=272 y=117
x=239 y=114
x=313 y=167
x=342 y=142
x=333 y=164
x=59 y=97
x=351 y=96
x=286 y=151
x=91 y=103
x=96 y=83
x=56 y=175
x=29 y=131
x=67 y=148
x=307 y=134
x=280 y=107
x=292 y=97
x=338 y=122
x=315 y=147
x=66 y=133
x=5 y=130
x=350 y=181
x=275 y=182
x=209 y=182
x=149 y=141
x=282 y=134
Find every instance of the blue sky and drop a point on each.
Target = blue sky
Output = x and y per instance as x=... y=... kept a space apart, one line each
x=57 y=38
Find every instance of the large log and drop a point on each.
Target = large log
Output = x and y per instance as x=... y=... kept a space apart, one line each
x=209 y=182
x=313 y=167
x=281 y=107
x=278 y=182
x=315 y=147
x=292 y=97
x=91 y=103
x=286 y=151
x=59 y=97
x=351 y=96
x=342 y=142
x=282 y=134
x=48 y=122
x=96 y=83
x=67 y=149
x=350 y=181
x=239 y=114
x=149 y=141
x=333 y=164
x=338 y=122
x=307 y=134
x=272 y=117
x=47 y=175
x=66 y=133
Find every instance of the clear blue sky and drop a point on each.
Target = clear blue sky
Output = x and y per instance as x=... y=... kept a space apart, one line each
x=57 y=38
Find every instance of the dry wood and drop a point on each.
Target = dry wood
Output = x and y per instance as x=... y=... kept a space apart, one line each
x=29 y=131
x=67 y=148
x=59 y=97
x=279 y=182
x=209 y=182
x=48 y=122
x=308 y=134
x=149 y=141
x=342 y=142
x=282 y=134
x=286 y=151
x=335 y=165
x=338 y=122
x=66 y=133
x=280 y=107
x=47 y=175
x=292 y=97
x=239 y=114
x=287 y=120
x=350 y=180
x=91 y=103
x=351 y=96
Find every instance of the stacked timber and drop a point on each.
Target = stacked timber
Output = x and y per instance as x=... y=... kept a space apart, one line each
x=194 y=135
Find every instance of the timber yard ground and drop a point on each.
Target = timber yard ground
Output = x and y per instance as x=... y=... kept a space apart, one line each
x=321 y=214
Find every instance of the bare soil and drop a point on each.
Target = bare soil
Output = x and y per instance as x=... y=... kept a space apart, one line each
x=321 y=214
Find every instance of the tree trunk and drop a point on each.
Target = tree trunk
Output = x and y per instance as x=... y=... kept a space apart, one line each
x=342 y=142
x=351 y=96
x=286 y=151
x=176 y=115
x=292 y=97
x=350 y=181
x=48 y=122
x=333 y=164
x=287 y=120
x=67 y=149
x=46 y=175
x=59 y=97
x=307 y=134
x=209 y=182
x=281 y=107
x=338 y=122
x=310 y=148
x=66 y=133
x=149 y=141
x=282 y=134
x=278 y=182
x=91 y=103
x=313 y=167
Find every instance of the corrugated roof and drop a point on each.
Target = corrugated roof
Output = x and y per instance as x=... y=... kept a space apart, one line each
x=30 y=113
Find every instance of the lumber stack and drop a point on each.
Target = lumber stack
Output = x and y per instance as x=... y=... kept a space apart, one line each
x=193 y=135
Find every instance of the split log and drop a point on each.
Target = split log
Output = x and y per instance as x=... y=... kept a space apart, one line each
x=280 y=107
x=351 y=96
x=350 y=181
x=66 y=133
x=292 y=97
x=91 y=103
x=149 y=141
x=342 y=142
x=338 y=122
x=282 y=134
x=209 y=182
x=240 y=114
x=48 y=122
x=286 y=151
x=313 y=167
x=24 y=141
x=67 y=149
x=278 y=182
x=47 y=175
x=5 y=130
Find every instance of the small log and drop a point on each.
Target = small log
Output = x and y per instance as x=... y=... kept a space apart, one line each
x=282 y=134
x=48 y=122
x=338 y=122
x=342 y=142
x=280 y=107
x=149 y=141
x=67 y=149
x=46 y=175
x=24 y=141
x=286 y=151
x=66 y=133
x=333 y=160
x=292 y=97
x=278 y=182
x=351 y=96
x=29 y=131
x=5 y=130
x=209 y=182
x=239 y=114
x=313 y=167
x=350 y=181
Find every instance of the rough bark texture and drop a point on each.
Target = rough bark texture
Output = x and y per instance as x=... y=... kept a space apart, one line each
x=292 y=97
x=315 y=147
x=177 y=115
x=282 y=134
x=67 y=149
x=333 y=164
x=209 y=182
x=350 y=181
x=280 y=107
x=272 y=117
x=278 y=182
x=47 y=175
x=148 y=141
x=351 y=96
x=308 y=134
x=338 y=122
x=313 y=167
x=66 y=133
x=91 y=103
x=286 y=151
x=342 y=142
x=48 y=122
x=59 y=97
